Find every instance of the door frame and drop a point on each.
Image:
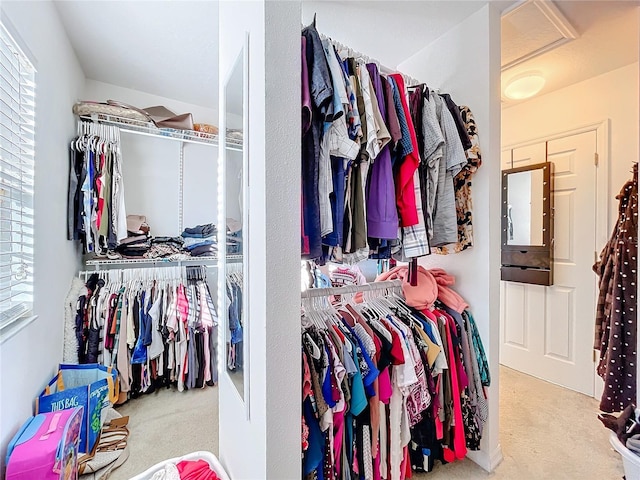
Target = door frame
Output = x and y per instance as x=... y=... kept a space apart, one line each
x=602 y=198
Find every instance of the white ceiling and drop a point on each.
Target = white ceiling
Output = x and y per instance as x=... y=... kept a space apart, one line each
x=175 y=45
x=608 y=38
x=177 y=55
x=388 y=31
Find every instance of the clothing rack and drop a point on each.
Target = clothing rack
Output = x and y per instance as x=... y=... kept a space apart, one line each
x=409 y=81
x=325 y=292
x=173 y=272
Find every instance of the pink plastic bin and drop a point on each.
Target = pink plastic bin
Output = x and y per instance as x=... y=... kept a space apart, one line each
x=46 y=447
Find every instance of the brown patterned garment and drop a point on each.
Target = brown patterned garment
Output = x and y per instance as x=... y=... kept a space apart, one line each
x=616 y=316
x=462 y=186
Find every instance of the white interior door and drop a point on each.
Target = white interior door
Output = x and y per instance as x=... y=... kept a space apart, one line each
x=529 y=155
x=548 y=331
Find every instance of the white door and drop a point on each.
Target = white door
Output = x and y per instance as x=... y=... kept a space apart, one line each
x=529 y=155
x=548 y=332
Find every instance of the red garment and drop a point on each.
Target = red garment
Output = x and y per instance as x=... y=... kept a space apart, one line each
x=196 y=470
x=463 y=379
x=100 y=190
x=459 y=441
x=405 y=193
x=376 y=468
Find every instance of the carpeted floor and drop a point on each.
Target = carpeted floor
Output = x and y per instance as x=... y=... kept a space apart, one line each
x=546 y=432
x=168 y=424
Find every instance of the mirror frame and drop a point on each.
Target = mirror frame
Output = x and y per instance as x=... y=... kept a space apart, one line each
x=242 y=57
x=529 y=263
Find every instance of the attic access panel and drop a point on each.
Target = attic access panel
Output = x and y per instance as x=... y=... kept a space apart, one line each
x=532 y=28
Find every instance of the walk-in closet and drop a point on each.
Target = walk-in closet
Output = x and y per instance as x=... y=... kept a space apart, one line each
x=319 y=240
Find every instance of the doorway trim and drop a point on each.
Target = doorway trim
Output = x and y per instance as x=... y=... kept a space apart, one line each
x=603 y=191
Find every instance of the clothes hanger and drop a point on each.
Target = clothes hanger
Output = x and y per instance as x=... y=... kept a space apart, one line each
x=315 y=313
x=334 y=320
x=316 y=353
x=382 y=310
x=377 y=306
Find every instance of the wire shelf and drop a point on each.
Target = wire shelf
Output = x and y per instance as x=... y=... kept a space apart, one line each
x=147 y=128
x=158 y=261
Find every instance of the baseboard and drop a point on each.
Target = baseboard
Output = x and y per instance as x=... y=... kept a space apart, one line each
x=487 y=462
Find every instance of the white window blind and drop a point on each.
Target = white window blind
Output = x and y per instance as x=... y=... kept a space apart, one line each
x=17 y=125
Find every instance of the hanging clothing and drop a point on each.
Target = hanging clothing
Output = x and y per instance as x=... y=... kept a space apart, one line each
x=382 y=174
x=154 y=332
x=616 y=313
x=376 y=403
x=96 y=213
x=462 y=187
x=236 y=322
x=445 y=225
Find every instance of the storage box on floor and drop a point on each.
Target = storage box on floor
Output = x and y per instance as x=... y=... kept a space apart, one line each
x=46 y=447
x=630 y=461
x=90 y=386
x=157 y=471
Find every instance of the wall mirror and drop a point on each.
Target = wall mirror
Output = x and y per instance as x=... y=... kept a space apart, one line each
x=527 y=224
x=236 y=217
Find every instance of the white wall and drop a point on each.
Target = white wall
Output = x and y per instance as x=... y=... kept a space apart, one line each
x=151 y=166
x=472 y=77
x=29 y=358
x=100 y=91
x=267 y=445
x=613 y=96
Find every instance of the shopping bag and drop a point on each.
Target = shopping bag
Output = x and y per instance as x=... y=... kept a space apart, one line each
x=91 y=386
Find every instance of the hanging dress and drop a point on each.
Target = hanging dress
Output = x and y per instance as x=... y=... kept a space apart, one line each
x=616 y=315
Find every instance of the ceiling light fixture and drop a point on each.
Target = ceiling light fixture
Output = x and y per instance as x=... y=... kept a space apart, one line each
x=524 y=86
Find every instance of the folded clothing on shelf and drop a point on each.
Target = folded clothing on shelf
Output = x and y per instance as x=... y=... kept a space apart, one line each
x=191 y=242
x=134 y=246
x=204 y=250
x=201 y=240
x=199 y=231
x=134 y=240
x=177 y=241
x=234 y=243
x=162 y=250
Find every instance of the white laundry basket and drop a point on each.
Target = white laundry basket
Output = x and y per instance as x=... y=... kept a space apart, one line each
x=209 y=457
x=630 y=461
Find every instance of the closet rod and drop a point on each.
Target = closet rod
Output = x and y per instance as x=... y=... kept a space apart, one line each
x=144 y=272
x=325 y=292
x=410 y=81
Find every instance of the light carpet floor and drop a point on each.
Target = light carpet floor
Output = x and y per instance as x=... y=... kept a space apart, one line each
x=546 y=432
x=168 y=424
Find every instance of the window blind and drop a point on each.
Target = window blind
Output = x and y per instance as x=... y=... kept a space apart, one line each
x=17 y=130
